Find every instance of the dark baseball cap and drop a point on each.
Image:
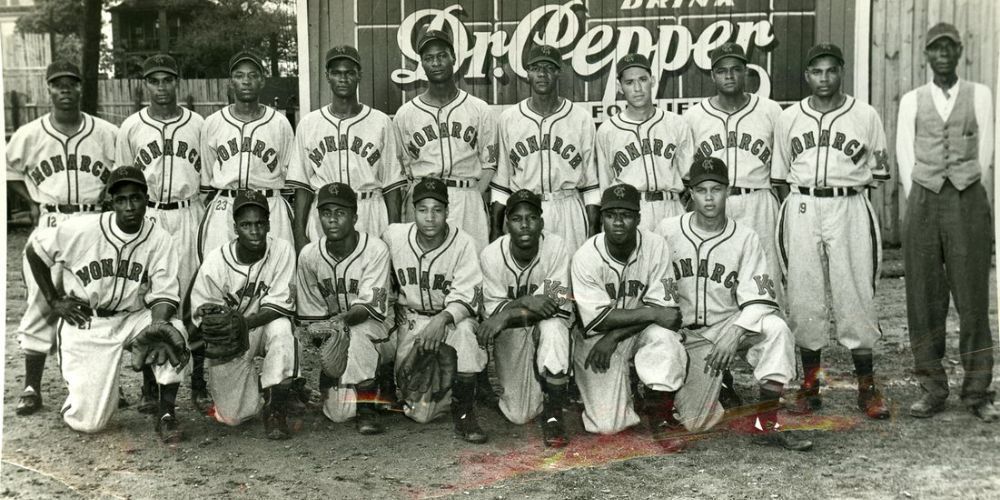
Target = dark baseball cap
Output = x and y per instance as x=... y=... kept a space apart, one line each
x=546 y=53
x=159 y=62
x=247 y=197
x=620 y=196
x=708 y=169
x=430 y=187
x=632 y=61
x=337 y=193
x=245 y=55
x=343 y=52
x=728 y=49
x=430 y=36
x=942 y=30
x=523 y=196
x=824 y=49
x=126 y=174
x=62 y=68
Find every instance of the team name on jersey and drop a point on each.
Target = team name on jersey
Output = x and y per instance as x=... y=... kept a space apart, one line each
x=54 y=165
x=408 y=276
x=556 y=144
x=255 y=147
x=745 y=141
x=456 y=130
x=645 y=147
x=250 y=290
x=333 y=143
x=684 y=268
x=109 y=268
x=327 y=287
x=552 y=289
x=152 y=151
x=630 y=288
x=852 y=148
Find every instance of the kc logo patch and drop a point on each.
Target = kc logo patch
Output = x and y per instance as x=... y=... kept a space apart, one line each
x=708 y=165
x=620 y=192
x=334 y=189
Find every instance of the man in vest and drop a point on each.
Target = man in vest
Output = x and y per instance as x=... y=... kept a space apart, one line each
x=944 y=147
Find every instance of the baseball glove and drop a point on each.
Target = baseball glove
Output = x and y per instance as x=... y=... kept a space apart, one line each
x=427 y=374
x=224 y=332
x=157 y=344
x=336 y=338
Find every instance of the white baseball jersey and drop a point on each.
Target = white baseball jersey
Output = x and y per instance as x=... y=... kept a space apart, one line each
x=168 y=152
x=456 y=140
x=248 y=288
x=602 y=284
x=242 y=155
x=840 y=148
x=445 y=278
x=59 y=169
x=546 y=154
x=652 y=155
x=326 y=286
x=109 y=269
x=361 y=151
x=504 y=280
x=742 y=139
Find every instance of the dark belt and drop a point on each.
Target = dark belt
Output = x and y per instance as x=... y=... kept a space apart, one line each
x=174 y=205
x=659 y=195
x=425 y=313
x=70 y=209
x=459 y=183
x=736 y=191
x=829 y=192
x=232 y=192
x=106 y=313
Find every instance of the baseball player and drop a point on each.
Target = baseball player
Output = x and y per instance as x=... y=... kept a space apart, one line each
x=350 y=143
x=164 y=141
x=344 y=276
x=60 y=162
x=437 y=273
x=247 y=146
x=830 y=148
x=618 y=279
x=729 y=304
x=528 y=312
x=252 y=274
x=119 y=280
x=646 y=147
x=450 y=135
x=546 y=147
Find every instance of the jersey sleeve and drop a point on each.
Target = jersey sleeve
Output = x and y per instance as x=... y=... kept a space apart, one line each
x=685 y=148
x=488 y=139
x=209 y=156
x=391 y=172
x=374 y=283
x=603 y=160
x=15 y=152
x=494 y=289
x=109 y=143
x=590 y=183
x=405 y=153
x=279 y=296
x=658 y=292
x=878 y=157
x=782 y=158
x=163 y=269
x=500 y=185
x=755 y=293
x=465 y=294
x=592 y=300
x=557 y=280
x=208 y=286
x=298 y=160
x=286 y=144
x=124 y=155
x=45 y=242
x=309 y=301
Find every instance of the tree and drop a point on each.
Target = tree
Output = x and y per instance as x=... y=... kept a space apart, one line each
x=91 y=57
x=60 y=19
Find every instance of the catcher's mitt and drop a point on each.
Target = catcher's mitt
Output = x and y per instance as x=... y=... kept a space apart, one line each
x=157 y=344
x=224 y=331
x=336 y=338
x=424 y=373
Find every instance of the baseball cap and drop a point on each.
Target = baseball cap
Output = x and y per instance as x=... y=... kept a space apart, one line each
x=62 y=68
x=942 y=30
x=825 y=49
x=429 y=187
x=124 y=174
x=245 y=55
x=159 y=62
x=337 y=193
x=620 y=196
x=523 y=196
x=545 y=53
x=343 y=52
x=246 y=197
x=632 y=61
x=708 y=169
x=434 y=36
x=728 y=49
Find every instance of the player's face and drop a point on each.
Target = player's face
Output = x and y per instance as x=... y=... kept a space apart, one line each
x=129 y=203
x=943 y=56
x=247 y=81
x=543 y=77
x=709 y=199
x=637 y=86
x=823 y=76
x=343 y=77
x=438 y=62
x=524 y=224
x=64 y=92
x=162 y=88
x=619 y=225
x=337 y=221
x=430 y=217
x=730 y=76
x=252 y=225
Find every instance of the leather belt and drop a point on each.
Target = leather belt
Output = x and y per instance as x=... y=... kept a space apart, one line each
x=460 y=183
x=232 y=192
x=364 y=195
x=829 y=192
x=736 y=191
x=559 y=195
x=424 y=313
x=70 y=208
x=660 y=195
x=106 y=313
x=174 y=205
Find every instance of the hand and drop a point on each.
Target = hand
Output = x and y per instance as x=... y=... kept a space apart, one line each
x=599 y=358
x=668 y=317
x=432 y=335
x=541 y=305
x=34 y=213
x=722 y=355
x=489 y=329
x=72 y=310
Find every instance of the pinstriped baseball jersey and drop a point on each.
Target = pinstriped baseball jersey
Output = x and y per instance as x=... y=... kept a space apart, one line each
x=361 y=151
x=456 y=140
x=843 y=147
x=602 y=284
x=326 y=286
x=265 y=284
x=445 y=278
x=742 y=139
x=653 y=155
x=60 y=169
x=110 y=269
x=546 y=154
x=168 y=152
x=504 y=280
x=240 y=155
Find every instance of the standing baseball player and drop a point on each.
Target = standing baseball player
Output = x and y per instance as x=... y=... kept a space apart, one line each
x=831 y=148
x=618 y=279
x=546 y=148
x=945 y=147
x=252 y=276
x=646 y=147
x=440 y=290
x=119 y=290
x=728 y=300
x=247 y=146
x=59 y=162
x=528 y=311
x=344 y=277
x=450 y=135
x=164 y=141
x=349 y=143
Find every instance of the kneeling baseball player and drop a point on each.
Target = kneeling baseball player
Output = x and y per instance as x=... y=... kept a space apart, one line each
x=119 y=292
x=342 y=289
x=241 y=300
x=525 y=296
x=728 y=301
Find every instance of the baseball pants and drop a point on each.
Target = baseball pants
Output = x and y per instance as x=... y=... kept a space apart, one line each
x=771 y=353
x=820 y=239
x=90 y=359
x=234 y=384
x=466 y=211
x=182 y=223
x=471 y=359
x=523 y=356
x=369 y=348
x=372 y=216
x=759 y=210
x=652 y=212
x=567 y=217
x=660 y=360
x=218 y=227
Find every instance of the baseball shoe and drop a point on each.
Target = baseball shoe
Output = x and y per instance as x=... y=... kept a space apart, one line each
x=149 y=401
x=168 y=429
x=729 y=399
x=554 y=433
x=985 y=411
x=668 y=433
x=467 y=428
x=29 y=402
x=786 y=440
x=927 y=406
x=872 y=403
x=122 y=402
x=367 y=421
x=276 y=426
x=808 y=399
x=485 y=394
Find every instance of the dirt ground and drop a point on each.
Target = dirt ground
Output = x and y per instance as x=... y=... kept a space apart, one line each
x=950 y=456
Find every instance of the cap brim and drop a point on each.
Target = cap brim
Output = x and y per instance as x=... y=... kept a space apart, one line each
x=164 y=69
x=424 y=43
x=734 y=56
x=547 y=59
x=619 y=204
x=339 y=203
x=442 y=199
x=510 y=207
x=252 y=204
x=137 y=182
x=825 y=54
x=342 y=56
x=950 y=36
x=246 y=58
x=62 y=74
x=711 y=177
x=634 y=65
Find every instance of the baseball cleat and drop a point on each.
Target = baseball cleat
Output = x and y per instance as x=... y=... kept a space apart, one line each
x=808 y=399
x=985 y=411
x=367 y=422
x=872 y=403
x=29 y=402
x=927 y=406
x=149 y=401
x=276 y=426
x=168 y=429
x=553 y=433
x=786 y=440
x=467 y=428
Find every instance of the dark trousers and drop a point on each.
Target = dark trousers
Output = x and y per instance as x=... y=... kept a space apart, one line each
x=947 y=243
